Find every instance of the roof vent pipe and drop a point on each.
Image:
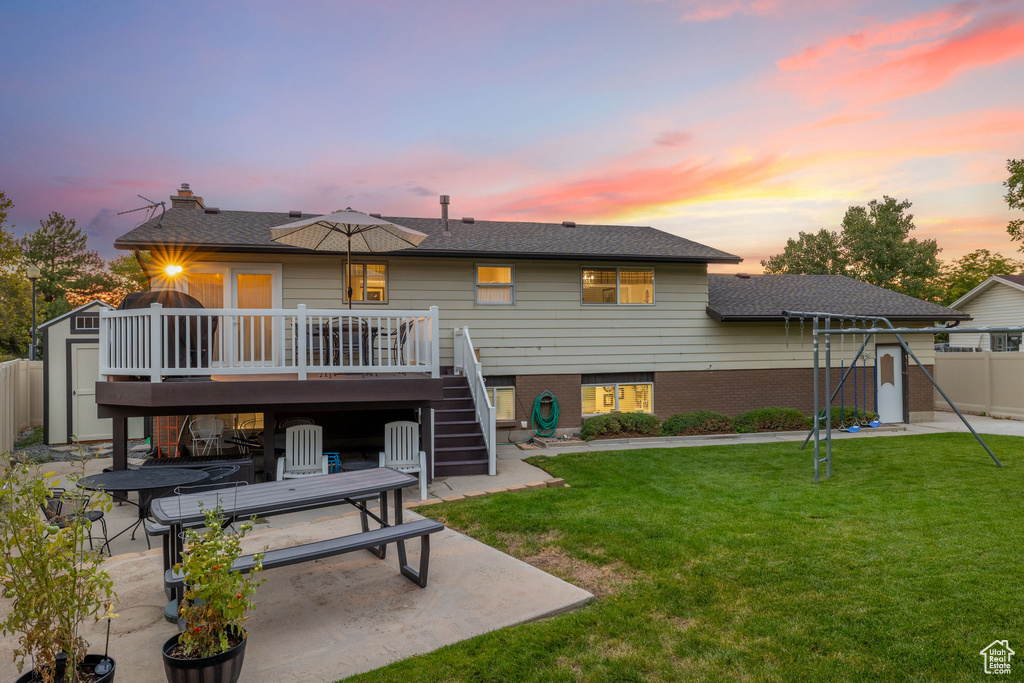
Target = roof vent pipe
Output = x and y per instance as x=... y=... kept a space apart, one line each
x=445 y=200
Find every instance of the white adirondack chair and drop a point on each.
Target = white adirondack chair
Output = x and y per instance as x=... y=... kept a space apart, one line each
x=402 y=451
x=303 y=453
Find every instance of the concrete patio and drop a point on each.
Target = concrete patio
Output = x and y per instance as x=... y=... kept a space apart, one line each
x=333 y=618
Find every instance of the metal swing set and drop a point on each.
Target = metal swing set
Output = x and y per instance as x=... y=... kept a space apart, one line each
x=849 y=325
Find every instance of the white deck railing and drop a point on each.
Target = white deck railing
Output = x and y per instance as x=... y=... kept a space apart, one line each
x=159 y=342
x=467 y=364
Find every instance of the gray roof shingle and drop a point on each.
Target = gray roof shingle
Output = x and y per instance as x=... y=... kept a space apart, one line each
x=764 y=297
x=250 y=231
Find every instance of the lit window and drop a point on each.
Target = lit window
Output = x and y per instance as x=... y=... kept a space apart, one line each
x=369 y=282
x=626 y=286
x=504 y=401
x=495 y=285
x=622 y=398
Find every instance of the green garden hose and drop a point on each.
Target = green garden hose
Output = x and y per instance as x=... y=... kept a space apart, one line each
x=544 y=426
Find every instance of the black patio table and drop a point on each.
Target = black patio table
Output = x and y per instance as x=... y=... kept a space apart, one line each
x=141 y=480
x=282 y=497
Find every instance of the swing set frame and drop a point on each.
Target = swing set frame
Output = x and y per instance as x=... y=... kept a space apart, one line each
x=821 y=327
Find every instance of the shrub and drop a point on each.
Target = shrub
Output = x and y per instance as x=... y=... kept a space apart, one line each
x=619 y=424
x=700 y=422
x=846 y=415
x=772 y=420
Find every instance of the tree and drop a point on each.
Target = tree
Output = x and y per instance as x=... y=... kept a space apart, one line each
x=873 y=245
x=817 y=253
x=1015 y=197
x=124 y=277
x=970 y=270
x=16 y=310
x=67 y=267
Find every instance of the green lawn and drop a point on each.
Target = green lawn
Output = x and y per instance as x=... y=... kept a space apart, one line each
x=727 y=562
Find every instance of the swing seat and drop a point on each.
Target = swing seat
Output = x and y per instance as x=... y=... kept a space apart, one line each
x=875 y=423
x=853 y=429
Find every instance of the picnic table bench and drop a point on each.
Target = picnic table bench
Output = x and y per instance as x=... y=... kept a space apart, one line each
x=293 y=495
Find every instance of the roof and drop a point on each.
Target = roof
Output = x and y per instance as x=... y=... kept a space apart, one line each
x=1015 y=281
x=764 y=297
x=250 y=231
x=81 y=308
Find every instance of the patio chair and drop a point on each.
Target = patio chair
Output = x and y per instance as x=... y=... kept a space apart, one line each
x=354 y=343
x=64 y=509
x=303 y=453
x=402 y=451
x=206 y=432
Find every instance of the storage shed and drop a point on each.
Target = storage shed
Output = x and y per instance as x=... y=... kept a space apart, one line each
x=70 y=371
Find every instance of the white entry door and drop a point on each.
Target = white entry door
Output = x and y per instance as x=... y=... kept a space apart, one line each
x=85 y=425
x=889 y=383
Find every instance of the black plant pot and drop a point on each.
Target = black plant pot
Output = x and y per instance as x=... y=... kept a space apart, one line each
x=223 y=668
x=88 y=664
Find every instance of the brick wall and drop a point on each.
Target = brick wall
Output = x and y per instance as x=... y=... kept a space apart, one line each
x=726 y=391
x=565 y=387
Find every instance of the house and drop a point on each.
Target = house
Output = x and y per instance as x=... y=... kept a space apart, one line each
x=604 y=317
x=998 y=301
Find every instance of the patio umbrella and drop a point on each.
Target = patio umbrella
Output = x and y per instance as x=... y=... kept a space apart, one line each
x=350 y=230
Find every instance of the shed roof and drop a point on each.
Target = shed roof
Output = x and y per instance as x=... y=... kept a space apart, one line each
x=250 y=231
x=764 y=297
x=91 y=304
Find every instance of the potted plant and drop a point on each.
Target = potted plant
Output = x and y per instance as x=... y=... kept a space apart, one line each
x=211 y=644
x=54 y=580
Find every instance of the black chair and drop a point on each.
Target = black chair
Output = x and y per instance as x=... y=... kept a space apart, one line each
x=63 y=509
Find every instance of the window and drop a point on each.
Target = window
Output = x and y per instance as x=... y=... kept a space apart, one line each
x=87 y=322
x=1006 y=342
x=626 y=286
x=369 y=282
x=495 y=285
x=623 y=398
x=504 y=401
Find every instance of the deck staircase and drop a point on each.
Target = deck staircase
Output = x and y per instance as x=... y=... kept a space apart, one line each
x=459 y=446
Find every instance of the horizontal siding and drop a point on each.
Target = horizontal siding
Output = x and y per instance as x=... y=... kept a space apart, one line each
x=549 y=330
x=1000 y=305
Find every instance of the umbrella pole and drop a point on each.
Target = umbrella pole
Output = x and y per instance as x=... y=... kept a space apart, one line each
x=348 y=275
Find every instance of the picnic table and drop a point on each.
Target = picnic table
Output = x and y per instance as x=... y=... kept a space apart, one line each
x=294 y=495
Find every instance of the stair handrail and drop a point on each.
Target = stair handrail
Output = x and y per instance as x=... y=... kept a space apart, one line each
x=467 y=365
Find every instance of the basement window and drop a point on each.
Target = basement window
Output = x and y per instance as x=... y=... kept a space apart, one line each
x=502 y=393
x=621 y=398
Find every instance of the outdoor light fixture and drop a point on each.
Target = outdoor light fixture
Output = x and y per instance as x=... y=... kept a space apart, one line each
x=172 y=270
x=33 y=274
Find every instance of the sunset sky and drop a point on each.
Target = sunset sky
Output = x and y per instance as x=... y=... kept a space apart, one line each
x=734 y=123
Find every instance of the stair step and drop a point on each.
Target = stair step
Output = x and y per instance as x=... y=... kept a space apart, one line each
x=457 y=435
x=463 y=412
x=458 y=469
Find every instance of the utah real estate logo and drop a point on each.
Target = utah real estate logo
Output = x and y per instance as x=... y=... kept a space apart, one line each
x=997 y=657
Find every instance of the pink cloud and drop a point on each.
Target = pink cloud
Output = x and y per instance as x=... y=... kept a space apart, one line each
x=711 y=10
x=673 y=138
x=923 y=26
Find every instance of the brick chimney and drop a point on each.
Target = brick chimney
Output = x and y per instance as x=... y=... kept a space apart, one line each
x=184 y=199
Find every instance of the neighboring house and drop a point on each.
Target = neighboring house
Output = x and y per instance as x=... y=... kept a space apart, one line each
x=605 y=317
x=996 y=302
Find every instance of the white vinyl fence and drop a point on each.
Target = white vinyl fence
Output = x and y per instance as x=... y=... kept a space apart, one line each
x=21 y=399
x=982 y=382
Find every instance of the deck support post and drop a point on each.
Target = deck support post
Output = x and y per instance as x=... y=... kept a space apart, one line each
x=120 y=443
x=269 y=453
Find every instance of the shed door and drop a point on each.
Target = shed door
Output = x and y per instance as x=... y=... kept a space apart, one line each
x=889 y=383
x=85 y=425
